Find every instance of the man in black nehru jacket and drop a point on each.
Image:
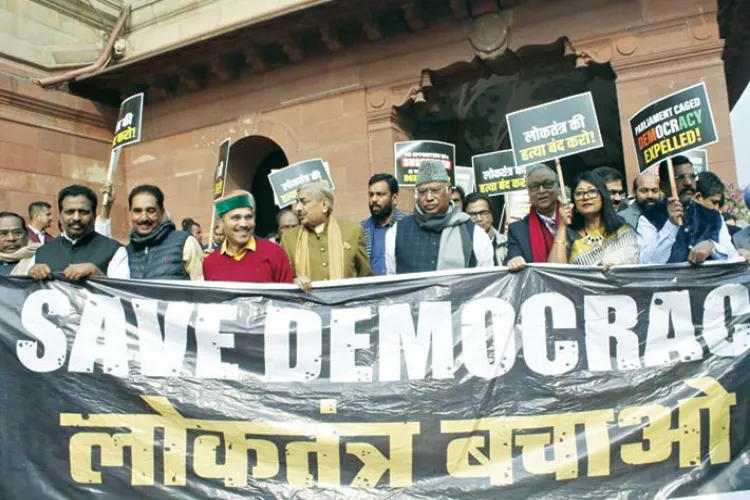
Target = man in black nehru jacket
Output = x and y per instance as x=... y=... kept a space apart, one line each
x=79 y=251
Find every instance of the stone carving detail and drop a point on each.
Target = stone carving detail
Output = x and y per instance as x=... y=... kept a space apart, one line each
x=627 y=45
x=488 y=35
x=385 y=98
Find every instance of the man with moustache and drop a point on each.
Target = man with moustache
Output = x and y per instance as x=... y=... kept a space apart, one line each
x=479 y=209
x=40 y=219
x=157 y=250
x=647 y=195
x=243 y=257
x=383 y=197
x=531 y=239
x=679 y=229
x=79 y=252
x=14 y=245
x=615 y=185
x=286 y=220
x=438 y=236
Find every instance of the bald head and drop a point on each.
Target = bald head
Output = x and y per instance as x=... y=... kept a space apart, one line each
x=646 y=189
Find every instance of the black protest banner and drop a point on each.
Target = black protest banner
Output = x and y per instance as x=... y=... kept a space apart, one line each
x=554 y=130
x=465 y=178
x=699 y=159
x=496 y=173
x=679 y=122
x=552 y=382
x=286 y=181
x=222 y=168
x=410 y=154
x=129 y=126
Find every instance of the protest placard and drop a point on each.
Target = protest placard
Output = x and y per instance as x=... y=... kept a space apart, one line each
x=286 y=181
x=699 y=159
x=220 y=177
x=554 y=130
x=465 y=178
x=410 y=154
x=672 y=125
x=496 y=173
x=128 y=130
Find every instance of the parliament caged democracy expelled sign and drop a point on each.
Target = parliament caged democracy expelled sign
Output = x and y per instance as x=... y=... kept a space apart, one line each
x=556 y=382
x=672 y=125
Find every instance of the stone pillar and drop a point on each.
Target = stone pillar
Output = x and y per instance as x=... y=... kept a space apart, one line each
x=386 y=126
x=659 y=58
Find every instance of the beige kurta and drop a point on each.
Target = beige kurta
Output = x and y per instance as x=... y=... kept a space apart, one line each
x=356 y=262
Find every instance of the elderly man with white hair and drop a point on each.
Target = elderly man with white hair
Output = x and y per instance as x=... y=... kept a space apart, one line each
x=532 y=238
x=323 y=247
x=437 y=236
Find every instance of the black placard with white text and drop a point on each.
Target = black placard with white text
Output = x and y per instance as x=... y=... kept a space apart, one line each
x=554 y=130
x=410 y=154
x=672 y=125
x=222 y=169
x=286 y=181
x=129 y=127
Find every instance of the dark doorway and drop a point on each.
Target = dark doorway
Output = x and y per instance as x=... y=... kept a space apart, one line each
x=466 y=104
x=250 y=161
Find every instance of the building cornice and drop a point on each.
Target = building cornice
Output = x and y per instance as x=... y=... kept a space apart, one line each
x=46 y=108
x=85 y=13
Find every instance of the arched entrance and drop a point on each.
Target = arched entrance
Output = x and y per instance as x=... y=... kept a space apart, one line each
x=466 y=103
x=251 y=159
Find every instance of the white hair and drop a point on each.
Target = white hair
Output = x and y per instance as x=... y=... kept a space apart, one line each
x=319 y=190
x=541 y=166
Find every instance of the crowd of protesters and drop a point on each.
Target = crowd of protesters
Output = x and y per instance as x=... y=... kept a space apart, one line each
x=593 y=225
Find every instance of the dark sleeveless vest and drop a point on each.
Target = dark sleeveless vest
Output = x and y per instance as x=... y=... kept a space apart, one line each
x=158 y=255
x=92 y=248
x=417 y=250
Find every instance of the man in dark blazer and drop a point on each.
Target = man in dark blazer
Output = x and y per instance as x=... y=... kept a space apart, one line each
x=531 y=238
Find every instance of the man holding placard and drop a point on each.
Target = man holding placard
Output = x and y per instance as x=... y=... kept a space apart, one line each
x=678 y=229
x=531 y=239
x=157 y=250
x=437 y=236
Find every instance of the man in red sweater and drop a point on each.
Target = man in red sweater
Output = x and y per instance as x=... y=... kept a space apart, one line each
x=242 y=256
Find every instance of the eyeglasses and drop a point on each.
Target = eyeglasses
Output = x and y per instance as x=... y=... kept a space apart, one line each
x=548 y=184
x=436 y=191
x=16 y=233
x=683 y=177
x=482 y=214
x=589 y=194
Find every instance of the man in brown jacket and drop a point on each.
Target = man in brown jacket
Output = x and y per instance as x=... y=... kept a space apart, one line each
x=323 y=247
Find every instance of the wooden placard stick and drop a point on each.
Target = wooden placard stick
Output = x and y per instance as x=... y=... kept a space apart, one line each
x=211 y=229
x=673 y=184
x=562 y=181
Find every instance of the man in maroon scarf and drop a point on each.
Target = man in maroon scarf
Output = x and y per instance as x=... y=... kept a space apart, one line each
x=531 y=238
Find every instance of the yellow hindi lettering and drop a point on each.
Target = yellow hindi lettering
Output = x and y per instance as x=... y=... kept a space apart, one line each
x=233 y=440
x=557 y=431
x=659 y=434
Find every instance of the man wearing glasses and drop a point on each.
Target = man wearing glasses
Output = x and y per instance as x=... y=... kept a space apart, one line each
x=679 y=229
x=531 y=239
x=437 y=236
x=14 y=246
x=478 y=208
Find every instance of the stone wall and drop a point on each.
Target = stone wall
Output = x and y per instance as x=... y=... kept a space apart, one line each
x=54 y=34
x=48 y=140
